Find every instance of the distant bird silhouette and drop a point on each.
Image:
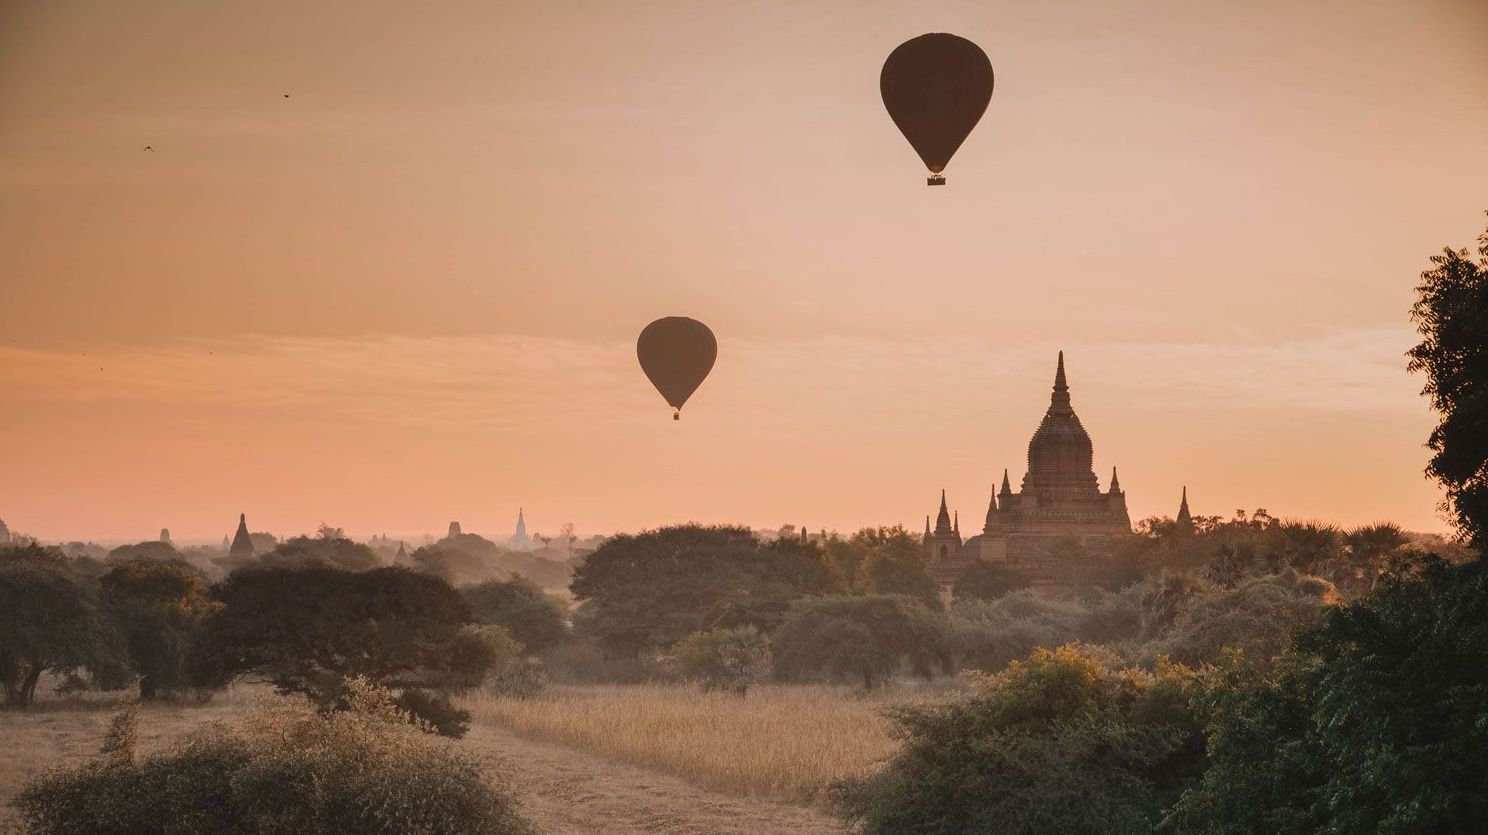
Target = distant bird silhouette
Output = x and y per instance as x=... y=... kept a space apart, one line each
x=286 y=95
x=148 y=148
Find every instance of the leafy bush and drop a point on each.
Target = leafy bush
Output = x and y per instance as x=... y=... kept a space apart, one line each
x=984 y=580
x=285 y=770
x=1376 y=721
x=1257 y=617
x=867 y=637
x=724 y=659
x=531 y=616
x=1059 y=743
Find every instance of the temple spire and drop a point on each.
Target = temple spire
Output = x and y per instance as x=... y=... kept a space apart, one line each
x=1185 y=519
x=1115 y=482
x=927 y=527
x=991 y=513
x=1060 y=401
x=943 y=519
x=1007 y=488
x=242 y=543
x=957 y=529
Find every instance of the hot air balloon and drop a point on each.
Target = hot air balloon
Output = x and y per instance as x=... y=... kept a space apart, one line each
x=936 y=87
x=676 y=353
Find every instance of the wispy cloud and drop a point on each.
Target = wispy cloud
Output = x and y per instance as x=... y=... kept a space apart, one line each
x=516 y=381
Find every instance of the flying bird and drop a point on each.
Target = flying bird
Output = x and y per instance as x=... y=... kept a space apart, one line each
x=150 y=149
x=286 y=95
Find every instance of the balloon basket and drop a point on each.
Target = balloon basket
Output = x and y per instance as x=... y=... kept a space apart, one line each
x=935 y=180
x=677 y=415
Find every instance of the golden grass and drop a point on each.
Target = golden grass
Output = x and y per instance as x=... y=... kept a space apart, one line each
x=781 y=741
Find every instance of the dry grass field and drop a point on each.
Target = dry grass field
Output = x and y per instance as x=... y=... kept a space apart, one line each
x=780 y=741
x=621 y=759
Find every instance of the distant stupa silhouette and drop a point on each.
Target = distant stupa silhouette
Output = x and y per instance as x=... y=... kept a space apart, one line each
x=165 y=535
x=454 y=530
x=242 y=544
x=520 y=540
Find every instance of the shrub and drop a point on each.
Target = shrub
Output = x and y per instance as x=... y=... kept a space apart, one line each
x=531 y=616
x=285 y=769
x=724 y=659
x=867 y=637
x=1257 y=617
x=1059 y=743
x=1376 y=721
x=984 y=580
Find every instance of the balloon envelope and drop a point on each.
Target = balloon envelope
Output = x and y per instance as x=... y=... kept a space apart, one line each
x=677 y=353
x=936 y=88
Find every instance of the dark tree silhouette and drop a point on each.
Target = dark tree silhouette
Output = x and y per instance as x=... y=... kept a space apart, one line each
x=1451 y=312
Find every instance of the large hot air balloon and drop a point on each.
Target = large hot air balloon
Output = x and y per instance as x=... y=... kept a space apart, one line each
x=677 y=353
x=936 y=87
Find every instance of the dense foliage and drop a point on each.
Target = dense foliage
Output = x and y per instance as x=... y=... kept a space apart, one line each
x=1451 y=312
x=284 y=770
x=533 y=617
x=649 y=590
x=1377 y=722
x=158 y=607
x=866 y=638
x=50 y=620
x=724 y=659
x=1060 y=743
x=308 y=630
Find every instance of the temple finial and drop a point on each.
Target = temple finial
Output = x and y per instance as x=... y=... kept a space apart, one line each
x=1007 y=489
x=1060 y=401
x=1115 y=482
x=943 y=518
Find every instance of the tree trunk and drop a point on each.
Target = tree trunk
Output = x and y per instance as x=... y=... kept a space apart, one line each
x=28 y=687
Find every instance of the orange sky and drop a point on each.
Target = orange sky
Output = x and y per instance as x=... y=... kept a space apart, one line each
x=409 y=292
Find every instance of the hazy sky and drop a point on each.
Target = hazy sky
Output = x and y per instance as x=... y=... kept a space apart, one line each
x=409 y=292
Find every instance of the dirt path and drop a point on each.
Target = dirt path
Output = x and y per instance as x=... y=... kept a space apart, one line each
x=568 y=792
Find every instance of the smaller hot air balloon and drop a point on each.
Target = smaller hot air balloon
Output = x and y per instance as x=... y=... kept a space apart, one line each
x=676 y=353
x=936 y=88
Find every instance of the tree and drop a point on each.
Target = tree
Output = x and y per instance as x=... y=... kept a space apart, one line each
x=321 y=551
x=49 y=620
x=536 y=619
x=866 y=637
x=1451 y=314
x=1061 y=742
x=158 y=607
x=1376 y=721
x=1258 y=618
x=1309 y=547
x=724 y=659
x=308 y=630
x=652 y=589
x=154 y=549
x=986 y=580
x=1370 y=548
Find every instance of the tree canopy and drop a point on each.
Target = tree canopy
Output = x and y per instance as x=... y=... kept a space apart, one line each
x=866 y=637
x=650 y=590
x=308 y=630
x=1451 y=313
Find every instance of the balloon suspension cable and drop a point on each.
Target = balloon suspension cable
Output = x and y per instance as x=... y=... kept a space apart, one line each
x=935 y=180
x=677 y=415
